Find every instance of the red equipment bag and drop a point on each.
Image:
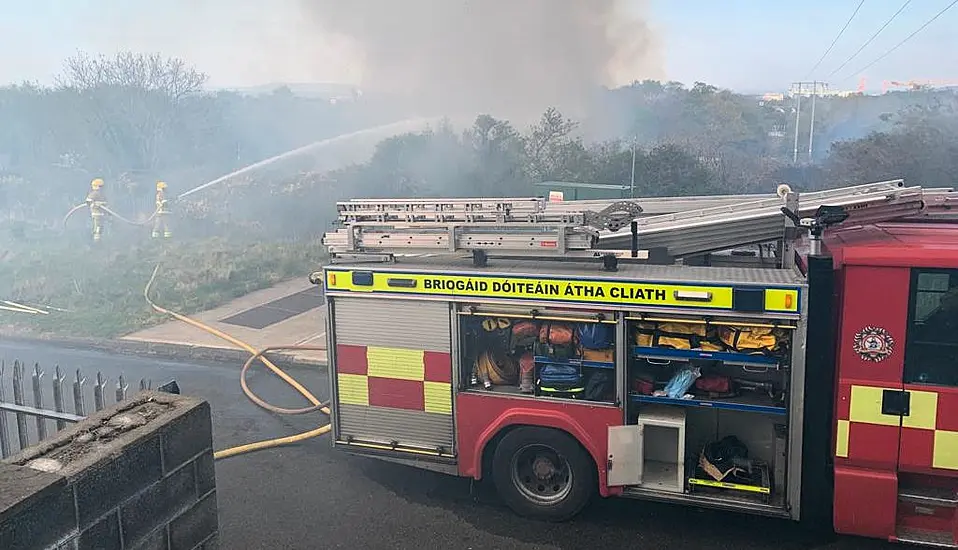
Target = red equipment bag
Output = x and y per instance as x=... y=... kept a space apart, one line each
x=558 y=334
x=714 y=383
x=643 y=386
x=524 y=333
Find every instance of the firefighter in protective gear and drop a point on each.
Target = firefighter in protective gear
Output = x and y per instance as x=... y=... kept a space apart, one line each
x=161 y=221
x=96 y=200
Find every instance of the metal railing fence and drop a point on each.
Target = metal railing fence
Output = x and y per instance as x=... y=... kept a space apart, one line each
x=25 y=421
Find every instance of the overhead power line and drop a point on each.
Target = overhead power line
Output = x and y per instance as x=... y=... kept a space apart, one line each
x=840 y=33
x=869 y=41
x=909 y=37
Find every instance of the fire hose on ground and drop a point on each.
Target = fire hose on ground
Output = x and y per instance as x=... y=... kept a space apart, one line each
x=317 y=405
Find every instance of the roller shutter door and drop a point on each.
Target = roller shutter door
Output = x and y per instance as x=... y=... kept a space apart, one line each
x=393 y=373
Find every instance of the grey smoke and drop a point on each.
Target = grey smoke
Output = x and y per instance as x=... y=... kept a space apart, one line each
x=506 y=57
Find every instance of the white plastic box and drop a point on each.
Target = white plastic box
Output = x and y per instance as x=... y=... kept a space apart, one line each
x=661 y=448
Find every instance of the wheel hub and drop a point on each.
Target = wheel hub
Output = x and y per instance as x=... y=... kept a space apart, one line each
x=541 y=474
x=543 y=468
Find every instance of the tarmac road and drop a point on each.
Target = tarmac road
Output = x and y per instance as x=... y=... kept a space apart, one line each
x=307 y=497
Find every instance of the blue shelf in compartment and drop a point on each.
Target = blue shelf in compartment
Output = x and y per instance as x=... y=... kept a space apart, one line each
x=729 y=405
x=686 y=354
x=574 y=362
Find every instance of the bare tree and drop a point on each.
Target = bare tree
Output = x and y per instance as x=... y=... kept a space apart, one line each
x=172 y=77
x=131 y=104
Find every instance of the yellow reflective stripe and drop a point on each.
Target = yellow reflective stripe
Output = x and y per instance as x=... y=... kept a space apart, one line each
x=727 y=485
x=777 y=299
x=397 y=448
x=865 y=406
x=437 y=397
x=353 y=389
x=841 y=439
x=923 y=410
x=622 y=292
x=945 y=450
x=402 y=364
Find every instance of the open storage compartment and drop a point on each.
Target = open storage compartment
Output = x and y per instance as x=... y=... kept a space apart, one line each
x=662 y=448
x=539 y=353
x=720 y=385
x=735 y=455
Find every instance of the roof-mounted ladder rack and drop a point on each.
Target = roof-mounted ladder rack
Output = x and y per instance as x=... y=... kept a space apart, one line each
x=505 y=228
x=534 y=229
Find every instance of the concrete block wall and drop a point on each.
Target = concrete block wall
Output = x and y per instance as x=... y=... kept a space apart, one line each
x=139 y=475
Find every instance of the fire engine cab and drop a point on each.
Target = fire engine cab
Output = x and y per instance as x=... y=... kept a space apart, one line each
x=787 y=355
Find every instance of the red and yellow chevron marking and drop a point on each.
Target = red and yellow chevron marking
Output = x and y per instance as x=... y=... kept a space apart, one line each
x=928 y=435
x=394 y=378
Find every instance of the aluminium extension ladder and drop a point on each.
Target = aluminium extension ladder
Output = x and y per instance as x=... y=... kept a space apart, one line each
x=533 y=228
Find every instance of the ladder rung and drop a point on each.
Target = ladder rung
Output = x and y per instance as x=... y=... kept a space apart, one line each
x=465 y=211
x=462 y=200
x=404 y=208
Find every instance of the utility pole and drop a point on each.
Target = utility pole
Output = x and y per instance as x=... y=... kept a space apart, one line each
x=799 y=89
x=632 y=179
x=811 y=123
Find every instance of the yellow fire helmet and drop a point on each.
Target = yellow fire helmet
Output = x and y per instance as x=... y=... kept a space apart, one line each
x=160 y=185
x=491 y=324
x=97 y=183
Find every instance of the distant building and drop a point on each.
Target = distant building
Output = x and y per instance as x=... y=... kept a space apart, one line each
x=332 y=92
x=845 y=93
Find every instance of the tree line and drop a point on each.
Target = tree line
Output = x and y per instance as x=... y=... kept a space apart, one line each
x=729 y=147
x=136 y=118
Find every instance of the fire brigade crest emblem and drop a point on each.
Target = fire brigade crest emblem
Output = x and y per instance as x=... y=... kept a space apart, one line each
x=874 y=344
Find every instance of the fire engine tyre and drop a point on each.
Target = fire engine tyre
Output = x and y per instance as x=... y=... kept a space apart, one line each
x=543 y=473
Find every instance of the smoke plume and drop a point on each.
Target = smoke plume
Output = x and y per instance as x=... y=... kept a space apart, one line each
x=510 y=58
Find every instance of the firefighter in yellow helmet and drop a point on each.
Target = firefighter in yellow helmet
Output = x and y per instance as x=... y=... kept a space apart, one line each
x=96 y=200
x=161 y=221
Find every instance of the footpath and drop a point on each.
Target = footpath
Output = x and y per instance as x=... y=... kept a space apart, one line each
x=288 y=314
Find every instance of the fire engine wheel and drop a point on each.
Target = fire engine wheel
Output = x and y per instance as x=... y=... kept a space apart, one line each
x=543 y=473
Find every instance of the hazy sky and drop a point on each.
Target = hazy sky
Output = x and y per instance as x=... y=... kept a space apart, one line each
x=743 y=44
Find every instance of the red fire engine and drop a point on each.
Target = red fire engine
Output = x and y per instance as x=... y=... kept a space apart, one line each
x=791 y=356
